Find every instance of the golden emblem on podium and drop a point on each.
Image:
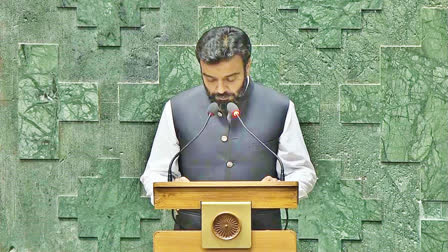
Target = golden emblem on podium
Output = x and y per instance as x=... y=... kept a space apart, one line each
x=226 y=226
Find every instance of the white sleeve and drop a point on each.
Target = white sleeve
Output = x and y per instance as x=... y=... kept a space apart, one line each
x=164 y=147
x=294 y=155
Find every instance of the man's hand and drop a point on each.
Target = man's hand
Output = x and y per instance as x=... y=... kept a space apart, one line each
x=181 y=179
x=269 y=178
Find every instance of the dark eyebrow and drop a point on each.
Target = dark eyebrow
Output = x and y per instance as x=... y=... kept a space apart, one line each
x=230 y=75
x=208 y=75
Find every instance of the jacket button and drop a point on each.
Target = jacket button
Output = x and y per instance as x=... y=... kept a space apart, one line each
x=229 y=164
x=224 y=138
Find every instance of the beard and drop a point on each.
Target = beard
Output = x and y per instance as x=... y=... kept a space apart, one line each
x=223 y=99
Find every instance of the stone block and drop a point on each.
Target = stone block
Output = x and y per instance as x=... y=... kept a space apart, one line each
x=330 y=17
x=217 y=16
x=434 y=236
x=107 y=207
x=38 y=102
x=306 y=99
x=435 y=210
x=413 y=112
x=411 y=104
x=109 y=16
x=140 y=102
x=178 y=71
x=336 y=208
x=78 y=101
x=43 y=101
x=360 y=103
x=265 y=65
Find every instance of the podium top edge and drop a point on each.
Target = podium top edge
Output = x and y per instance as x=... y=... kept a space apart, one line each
x=228 y=184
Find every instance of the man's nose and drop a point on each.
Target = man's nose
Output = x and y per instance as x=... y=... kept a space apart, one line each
x=220 y=89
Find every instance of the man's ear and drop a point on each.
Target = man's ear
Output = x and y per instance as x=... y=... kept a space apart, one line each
x=248 y=66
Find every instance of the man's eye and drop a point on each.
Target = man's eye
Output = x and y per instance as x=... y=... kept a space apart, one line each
x=211 y=79
x=231 y=79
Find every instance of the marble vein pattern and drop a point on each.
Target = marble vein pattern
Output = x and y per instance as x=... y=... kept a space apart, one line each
x=329 y=17
x=38 y=102
x=108 y=207
x=43 y=101
x=109 y=16
x=209 y=17
x=336 y=208
x=411 y=104
x=179 y=70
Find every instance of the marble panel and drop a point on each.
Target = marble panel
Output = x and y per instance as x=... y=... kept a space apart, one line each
x=78 y=101
x=306 y=99
x=108 y=207
x=37 y=101
x=43 y=101
x=330 y=17
x=109 y=16
x=336 y=208
x=217 y=16
x=434 y=236
x=415 y=84
x=178 y=71
x=360 y=103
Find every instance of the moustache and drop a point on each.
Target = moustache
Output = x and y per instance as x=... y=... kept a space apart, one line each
x=224 y=96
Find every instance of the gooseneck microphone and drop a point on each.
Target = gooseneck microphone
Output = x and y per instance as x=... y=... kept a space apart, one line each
x=235 y=112
x=211 y=111
x=233 y=109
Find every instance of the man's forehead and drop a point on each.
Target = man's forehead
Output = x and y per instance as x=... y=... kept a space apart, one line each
x=223 y=68
x=233 y=59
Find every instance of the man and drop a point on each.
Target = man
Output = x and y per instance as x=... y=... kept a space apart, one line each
x=225 y=150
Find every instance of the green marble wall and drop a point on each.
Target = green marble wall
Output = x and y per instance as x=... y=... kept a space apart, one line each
x=83 y=83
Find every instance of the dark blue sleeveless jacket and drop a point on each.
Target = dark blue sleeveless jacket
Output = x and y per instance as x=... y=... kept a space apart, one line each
x=226 y=151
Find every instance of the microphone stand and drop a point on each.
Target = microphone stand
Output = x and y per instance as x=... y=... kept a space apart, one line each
x=282 y=173
x=233 y=108
x=170 y=174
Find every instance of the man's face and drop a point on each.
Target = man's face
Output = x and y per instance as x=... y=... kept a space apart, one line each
x=224 y=80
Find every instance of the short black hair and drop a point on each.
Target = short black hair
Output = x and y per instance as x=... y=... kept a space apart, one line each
x=223 y=42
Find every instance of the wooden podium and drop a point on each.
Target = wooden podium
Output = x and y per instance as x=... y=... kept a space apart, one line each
x=225 y=215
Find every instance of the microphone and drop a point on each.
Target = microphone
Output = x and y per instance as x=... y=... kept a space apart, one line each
x=211 y=111
x=233 y=109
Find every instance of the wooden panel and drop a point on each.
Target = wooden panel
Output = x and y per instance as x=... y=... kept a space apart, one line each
x=190 y=241
x=188 y=195
x=227 y=184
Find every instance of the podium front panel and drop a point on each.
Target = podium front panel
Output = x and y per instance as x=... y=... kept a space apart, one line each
x=190 y=241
